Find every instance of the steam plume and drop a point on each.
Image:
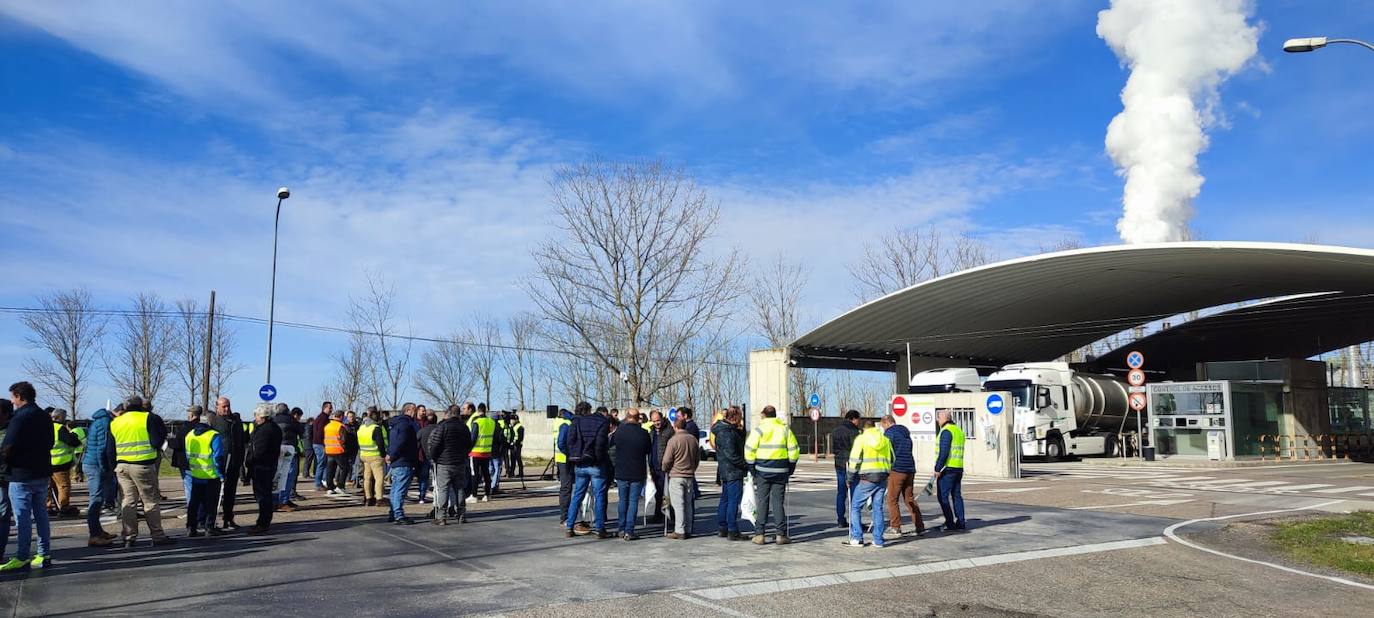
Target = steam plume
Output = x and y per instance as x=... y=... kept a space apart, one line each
x=1179 y=52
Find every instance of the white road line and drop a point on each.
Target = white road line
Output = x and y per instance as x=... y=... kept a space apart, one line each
x=1169 y=532
x=769 y=587
x=1300 y=487
x=1189 y=479
x=1249 y=485
x=417 y=544
x=1008 y=490
x=1141 y=503
x=712 y=606
x=1341 y=490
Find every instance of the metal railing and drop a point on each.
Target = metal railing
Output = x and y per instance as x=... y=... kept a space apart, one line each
x=1315 y=447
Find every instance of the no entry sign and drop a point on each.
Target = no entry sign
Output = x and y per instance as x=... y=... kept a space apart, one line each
x=899 y=406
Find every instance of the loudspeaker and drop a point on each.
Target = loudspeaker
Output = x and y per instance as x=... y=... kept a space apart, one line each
x=551 y=411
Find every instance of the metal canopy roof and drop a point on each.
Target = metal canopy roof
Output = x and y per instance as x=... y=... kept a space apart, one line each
x=1045 y=306
x=1295 y=327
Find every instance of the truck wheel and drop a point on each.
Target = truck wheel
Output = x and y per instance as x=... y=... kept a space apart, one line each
x=1054 y=448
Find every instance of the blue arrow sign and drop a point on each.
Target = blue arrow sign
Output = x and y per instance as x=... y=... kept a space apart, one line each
x=267 y=392
x=672 y=415
x=815 y=400
x=995 y=404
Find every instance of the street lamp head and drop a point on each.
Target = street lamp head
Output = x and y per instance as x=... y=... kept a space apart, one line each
x=1294 y=46
x=283 y=193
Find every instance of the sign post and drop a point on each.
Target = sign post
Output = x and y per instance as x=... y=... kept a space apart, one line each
x=1136 y=379
x=815 y=434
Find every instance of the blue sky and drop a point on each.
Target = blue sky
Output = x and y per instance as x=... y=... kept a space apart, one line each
x=141 y=144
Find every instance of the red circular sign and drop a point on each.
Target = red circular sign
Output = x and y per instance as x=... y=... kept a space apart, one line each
x=899 y=405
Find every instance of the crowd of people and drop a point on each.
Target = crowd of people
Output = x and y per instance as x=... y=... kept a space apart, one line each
x=461 y=456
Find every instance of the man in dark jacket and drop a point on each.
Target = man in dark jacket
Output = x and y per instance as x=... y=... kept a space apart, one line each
x=448 y=446
x=6 y=413
x=730 y=471
x=901 y=478
x=841 y=442
x=26 y=449
x=317 y=442
x=659 y=433
x=632 y=446
x=230 y=427
x=403 y=454
x=291 y=438
x=264 y=453
x=99 y=469
x=588 y=441
x=177 y=446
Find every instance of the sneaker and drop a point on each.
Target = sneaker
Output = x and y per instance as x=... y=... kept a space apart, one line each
x=230 y=525
x=404 y=521
x=892 y=533
x=675 y=536
x=486 y=498
x=40 y=561
x=568 y=533
x=879 y=545
x=759 y=540
x=853 y=543
x=782 y=539
x=98 y=541
x=470 y=499
x=15 y=565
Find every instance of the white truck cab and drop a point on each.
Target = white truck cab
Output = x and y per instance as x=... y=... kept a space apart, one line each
x=1059 y=411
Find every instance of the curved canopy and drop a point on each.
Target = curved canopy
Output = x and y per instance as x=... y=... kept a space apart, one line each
x=1045 y=306
x=1294 y=327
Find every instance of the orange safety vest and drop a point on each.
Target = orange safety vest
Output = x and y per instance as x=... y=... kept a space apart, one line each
x=333 y=438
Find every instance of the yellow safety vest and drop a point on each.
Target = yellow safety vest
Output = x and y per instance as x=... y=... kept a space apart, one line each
x=871 y=453
x=80 y=435
x=512 y=431
x=200 y=454
x=367 y=446
x=130 y=433
x=333 y=438
x=772 y=447
x=248 y=427
x=481 y=442
x=956 y=446
x=62 y=453
x=559 y=456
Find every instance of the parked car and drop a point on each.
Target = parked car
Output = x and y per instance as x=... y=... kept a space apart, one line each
x=707 y=451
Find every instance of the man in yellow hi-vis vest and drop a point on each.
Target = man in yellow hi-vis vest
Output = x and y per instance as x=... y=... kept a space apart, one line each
x=771 y=451
x=138 y=434
x=483 y=431
x=870 y=461
x=949 y=467
x=206 y=459
x=63 y=454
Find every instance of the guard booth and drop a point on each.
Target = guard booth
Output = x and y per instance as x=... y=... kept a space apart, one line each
x=1202 y=420
x=991 y=447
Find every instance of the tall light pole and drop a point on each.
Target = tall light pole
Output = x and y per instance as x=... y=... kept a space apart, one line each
x=282 y=194
x=1297 y=46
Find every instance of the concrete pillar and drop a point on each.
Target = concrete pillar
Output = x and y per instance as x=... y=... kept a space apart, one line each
x=768 y=382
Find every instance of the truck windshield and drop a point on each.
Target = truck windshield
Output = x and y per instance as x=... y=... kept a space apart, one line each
x=1020 y=390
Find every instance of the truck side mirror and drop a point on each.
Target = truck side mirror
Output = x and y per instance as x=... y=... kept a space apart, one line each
x=1042 y=398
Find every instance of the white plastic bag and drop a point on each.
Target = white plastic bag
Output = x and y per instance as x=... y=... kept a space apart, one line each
x=746 y=502
x=650 y=495
x=586 y=506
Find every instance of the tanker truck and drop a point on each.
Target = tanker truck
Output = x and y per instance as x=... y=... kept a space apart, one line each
x=1059 y=411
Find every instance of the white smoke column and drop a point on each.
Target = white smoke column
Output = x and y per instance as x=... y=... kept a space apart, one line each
x=1179 y=52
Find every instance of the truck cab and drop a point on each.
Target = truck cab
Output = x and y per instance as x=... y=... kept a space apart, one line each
x=1059 y=412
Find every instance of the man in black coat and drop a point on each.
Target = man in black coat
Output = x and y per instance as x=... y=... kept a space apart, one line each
x=731 y=468
x=659 y=433
x=841 y=441
x=291 y=438
x=230 y=428
x=631 y=445
x=264 y=450
x=448 y=445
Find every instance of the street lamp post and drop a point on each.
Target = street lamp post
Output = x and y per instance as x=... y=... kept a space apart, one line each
x=282 y=194
x=1297 y=46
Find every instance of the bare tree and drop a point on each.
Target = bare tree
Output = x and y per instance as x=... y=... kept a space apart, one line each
x=188 y=347
x=447 y=371
x=485 y=352
x=906 y=257
x=518 y=361
x=67 y=328
x=375 y=314
x=352 y=370
x=776 y=298
x=143 y=349
x=631 y=276
x=222 y=364
x=1067 y=243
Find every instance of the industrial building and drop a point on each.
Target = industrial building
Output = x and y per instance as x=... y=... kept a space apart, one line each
x=1235 y=384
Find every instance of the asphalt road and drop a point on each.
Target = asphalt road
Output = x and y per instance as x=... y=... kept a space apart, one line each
x=1031 y=552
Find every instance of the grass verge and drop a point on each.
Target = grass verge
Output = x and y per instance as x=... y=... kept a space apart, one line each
x=1319 y=541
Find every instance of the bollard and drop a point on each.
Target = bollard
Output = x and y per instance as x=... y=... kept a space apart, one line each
x=1264 y=437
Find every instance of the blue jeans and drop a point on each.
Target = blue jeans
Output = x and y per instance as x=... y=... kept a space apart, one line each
x=631 y=492
x=842 y=492
x=727 y=513
x=29 y=499
x=100 y=485
x=284 y=495
x=421 y=475
x=186 y=485
x=495 y=472
x=400 y=480
x=951 y=496
x=320 y=464
x=596 y=478
x=862 y=492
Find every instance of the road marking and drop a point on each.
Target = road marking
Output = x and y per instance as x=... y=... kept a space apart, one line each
x=1341 y=490
x=1142 y=503
x=1188 y=479
x=1301 y=487
x=722 y=593
x=698 y=601
x=417 y=544
x=1008 y=490
x=1169 y=532
x=1250 y=484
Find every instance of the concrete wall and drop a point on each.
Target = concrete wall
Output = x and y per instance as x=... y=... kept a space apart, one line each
x=990 y=450
x=768 y=383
